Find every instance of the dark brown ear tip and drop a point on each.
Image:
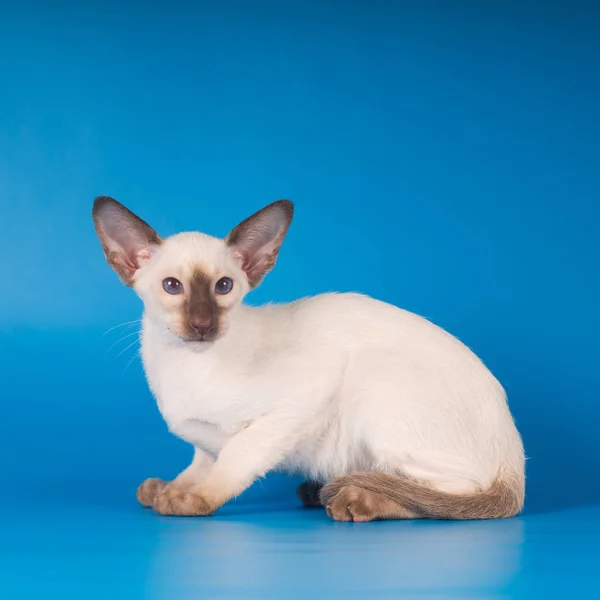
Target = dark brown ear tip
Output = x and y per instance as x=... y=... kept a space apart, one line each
x=102 y=201
x=287 y=206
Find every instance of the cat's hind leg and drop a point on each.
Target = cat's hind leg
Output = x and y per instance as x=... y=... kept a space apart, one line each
x=308 y=492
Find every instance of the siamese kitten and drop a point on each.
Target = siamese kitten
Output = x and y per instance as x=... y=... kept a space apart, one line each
x=385 y=414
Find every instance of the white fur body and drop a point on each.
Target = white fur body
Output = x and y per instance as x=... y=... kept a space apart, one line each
x=330 y=386
x=349 y=384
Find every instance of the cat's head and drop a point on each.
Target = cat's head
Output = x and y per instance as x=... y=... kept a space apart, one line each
x=190 y=282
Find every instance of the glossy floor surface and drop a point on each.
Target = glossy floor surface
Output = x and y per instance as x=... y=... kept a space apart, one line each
x=95 y=552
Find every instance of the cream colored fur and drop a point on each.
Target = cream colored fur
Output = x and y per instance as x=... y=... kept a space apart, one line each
x=325 y=386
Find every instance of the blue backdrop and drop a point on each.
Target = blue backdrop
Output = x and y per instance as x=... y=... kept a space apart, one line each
x=442 y=157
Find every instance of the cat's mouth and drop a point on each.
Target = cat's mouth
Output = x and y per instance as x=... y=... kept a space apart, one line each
x=200 y=340
x=197 y=340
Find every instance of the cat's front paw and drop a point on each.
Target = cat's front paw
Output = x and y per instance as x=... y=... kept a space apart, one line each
x=178 y=502
x=149 y=489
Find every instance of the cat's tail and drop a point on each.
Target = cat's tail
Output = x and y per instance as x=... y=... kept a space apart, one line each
x=504 y=498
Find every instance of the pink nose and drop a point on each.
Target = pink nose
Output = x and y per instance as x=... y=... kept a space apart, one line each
x=202 y=326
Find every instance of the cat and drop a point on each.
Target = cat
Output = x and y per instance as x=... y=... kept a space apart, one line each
x=386 y=415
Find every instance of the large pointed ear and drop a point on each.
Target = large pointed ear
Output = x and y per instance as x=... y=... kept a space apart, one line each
x=256 y=241
x=127 y=241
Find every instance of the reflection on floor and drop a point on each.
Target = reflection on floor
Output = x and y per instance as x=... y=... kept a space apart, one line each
x=262 y=552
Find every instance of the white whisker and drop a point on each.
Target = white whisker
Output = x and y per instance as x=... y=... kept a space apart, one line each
x=129 y=323
x=127 y=348
x=122 y=339
x=135 y=355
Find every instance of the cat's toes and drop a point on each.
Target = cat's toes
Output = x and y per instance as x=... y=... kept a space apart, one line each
x=352 y=503
x=177 y=502
x=149 y=489
x=308 y=492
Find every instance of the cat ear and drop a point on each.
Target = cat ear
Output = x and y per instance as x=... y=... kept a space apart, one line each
x=256 y=241
x=127 y=241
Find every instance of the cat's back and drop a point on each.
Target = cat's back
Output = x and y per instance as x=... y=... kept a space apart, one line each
x=373 y=332
x=360 y=319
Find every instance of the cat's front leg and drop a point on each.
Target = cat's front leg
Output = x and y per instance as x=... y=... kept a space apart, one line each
x=248 y=455
x=150 y=489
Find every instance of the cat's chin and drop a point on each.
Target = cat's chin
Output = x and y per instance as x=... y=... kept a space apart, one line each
x=198 y=345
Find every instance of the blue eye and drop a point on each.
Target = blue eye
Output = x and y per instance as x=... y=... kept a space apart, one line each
x=172 y=286
x=224 y=285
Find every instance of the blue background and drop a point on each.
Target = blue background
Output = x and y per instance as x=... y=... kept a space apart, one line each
x=443 y=157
